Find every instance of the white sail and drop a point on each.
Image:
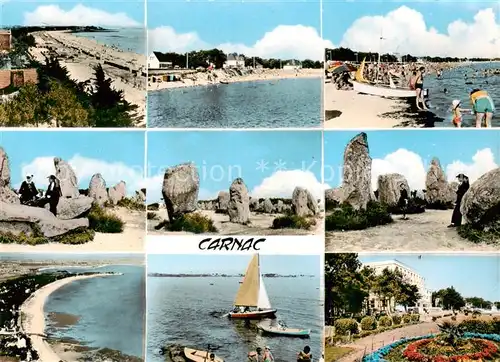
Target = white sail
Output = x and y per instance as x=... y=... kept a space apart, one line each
x=263 y=301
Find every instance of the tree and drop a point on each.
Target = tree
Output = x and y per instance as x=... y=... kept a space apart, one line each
x=63 y=107
x=449 y=299
x=408 y=295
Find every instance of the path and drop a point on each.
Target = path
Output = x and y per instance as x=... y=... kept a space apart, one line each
x=422 y=232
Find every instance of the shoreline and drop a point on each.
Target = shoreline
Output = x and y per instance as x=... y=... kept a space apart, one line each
x=32 y=321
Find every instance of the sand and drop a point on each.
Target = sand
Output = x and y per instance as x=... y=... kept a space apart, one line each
x=264 y=74
x=80 y=65
x=426 y=232
x=33 y=317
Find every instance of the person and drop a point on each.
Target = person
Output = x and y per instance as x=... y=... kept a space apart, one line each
x=28 y=191
x=483 y=107
x=457 y=113
x=419 y=89
x=53 y=194
x=403 y=200
x=212 y=357
x=268 y=356
x=456 y=217
x=305 y=355
x=412 y=80
x=253 y=356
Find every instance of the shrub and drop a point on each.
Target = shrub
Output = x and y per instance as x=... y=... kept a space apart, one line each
x=434 y=318
x=76 y=236
x=396 y=319
x=440 y=205
x=385 y=321
x=152 y=215
x=103 y=221
x=406 y=319
x=480 y=234
x=347 y=218
x=415 y=317
x=345 y=325
x=193 y=223
x=368 y=324
x=132 y=204
x=477 y=326
x=154 y=207
x=416 y=205
x=291 y=222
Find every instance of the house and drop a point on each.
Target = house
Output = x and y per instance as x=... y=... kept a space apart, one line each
x=234 y=61
x=292 y=65
x=157 y=60
x=5 y=40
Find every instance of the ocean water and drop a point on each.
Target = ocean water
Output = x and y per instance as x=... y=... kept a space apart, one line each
x=179 y=311
x=110 y=309
x=285 y=103
x=126 y=39
x=454 y=81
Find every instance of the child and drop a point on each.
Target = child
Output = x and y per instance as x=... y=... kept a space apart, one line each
x=457 y=113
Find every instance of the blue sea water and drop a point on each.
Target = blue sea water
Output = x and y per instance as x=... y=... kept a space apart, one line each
x=126 y=39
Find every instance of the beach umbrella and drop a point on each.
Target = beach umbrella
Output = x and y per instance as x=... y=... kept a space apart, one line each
x=345 y=67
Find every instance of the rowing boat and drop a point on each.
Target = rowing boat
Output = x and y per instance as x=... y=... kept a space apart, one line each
x=285 y=331
x=200 y=356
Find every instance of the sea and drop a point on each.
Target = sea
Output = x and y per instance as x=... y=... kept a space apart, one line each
x=284 y=103
x=126 y=39
x=454 y=82
x=190 y=311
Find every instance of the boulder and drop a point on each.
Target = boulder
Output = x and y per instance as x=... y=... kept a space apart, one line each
x=481 y=203
x=254 y=204
x=452 y=191
x=6 y=192
x=334 y=196
x=357 y=173
x=268 y=206
x=181 y=185
x=117 y=192
x=97 y=189
x=21 y=218
x=67 y=178
x=140 y=196
x=222 y=201
x=389 y=190
x=239 y=202
x=437 y=189
x=280 y=207
x=68 y=209
x=303 y=203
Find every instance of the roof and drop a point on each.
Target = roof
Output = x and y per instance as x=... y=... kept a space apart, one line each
x=234 y=57
x=161 y=57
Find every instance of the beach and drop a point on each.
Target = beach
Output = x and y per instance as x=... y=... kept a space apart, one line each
x=79 y=55
x=33 y=316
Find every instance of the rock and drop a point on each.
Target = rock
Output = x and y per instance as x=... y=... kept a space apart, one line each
x=254 y=204
x=481 y=203
x=21 y=218
x=268 y=206
x=117 y=192
x=280 y=207
x=452 y=190
x=181 y=185
x=140 y=196
x=67 y=178
x=6 y=192
x=437 y=188
x=176 y=353
x=389 y=190
x=68 y=209
x=303 y=203
x=239 y=202
x=97 y=189
x=223 y=201
x=334 y=196
x=357 y=173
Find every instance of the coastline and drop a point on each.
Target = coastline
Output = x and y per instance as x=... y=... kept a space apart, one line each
x=32 y=321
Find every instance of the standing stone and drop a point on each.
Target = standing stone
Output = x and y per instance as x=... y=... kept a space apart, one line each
x=67 y=178
x=222 y=201
x=97 y=189
x=280 y=207
x=239 y=202
x=181 y=185
x=117 y=192
x=140 y=196
x=389 y=188
x=268 y=206
x=6 y=192
x=452 y=192
x=334 y=197
x=357 y=173
x=437 y=189
x=303 y=203
x=254 y=204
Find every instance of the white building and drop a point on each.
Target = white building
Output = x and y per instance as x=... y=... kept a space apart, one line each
x=157 y=60
x=292 y=66
x=409 y=275
x=234 y=61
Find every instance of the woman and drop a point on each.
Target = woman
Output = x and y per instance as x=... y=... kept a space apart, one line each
x=53 y=193
x=456 y=217
x=305 y=355
x=483 y=107
x=268 y=356
x=419 y=89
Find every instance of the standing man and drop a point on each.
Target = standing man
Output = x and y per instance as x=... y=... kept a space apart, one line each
x=403 y=200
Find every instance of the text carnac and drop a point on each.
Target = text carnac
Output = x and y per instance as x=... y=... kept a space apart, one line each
x=231 y=244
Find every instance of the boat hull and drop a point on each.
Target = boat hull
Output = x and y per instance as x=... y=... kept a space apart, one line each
x=258 y=314
x=199 y=356
x=382 y=91
x=300 y=333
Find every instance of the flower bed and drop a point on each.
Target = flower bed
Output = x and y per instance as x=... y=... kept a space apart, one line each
x=412 y=353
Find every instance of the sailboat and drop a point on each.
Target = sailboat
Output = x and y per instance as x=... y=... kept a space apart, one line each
x=251 y=301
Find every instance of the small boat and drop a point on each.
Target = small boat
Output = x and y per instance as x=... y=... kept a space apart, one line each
x=223 y=82
x=285 y=331
x=251 y=301
x=200 y=356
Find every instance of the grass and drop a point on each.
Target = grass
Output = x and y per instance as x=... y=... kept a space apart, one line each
x=333 y=353
x=103 y=221
x=487 y=235
x=291 y=222
x=194 y=223
x=345 y=217
x=74 y=237
x=131 y=204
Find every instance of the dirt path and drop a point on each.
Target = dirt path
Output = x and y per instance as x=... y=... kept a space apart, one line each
x=422 y=232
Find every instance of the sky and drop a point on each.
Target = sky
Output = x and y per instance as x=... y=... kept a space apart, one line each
x=436 y=28
x=281 y=29
x=117 y=155
x=272 y=163
x=409 y=152
x=233 y=264
x=462 y=272
x=110 y=13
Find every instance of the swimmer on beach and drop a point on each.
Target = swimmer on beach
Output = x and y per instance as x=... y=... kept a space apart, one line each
x=483 y=107
x=457 y=113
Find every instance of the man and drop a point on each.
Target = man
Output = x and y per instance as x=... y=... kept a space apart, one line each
x=482 y=106
x=403 y=200
x=28 y=190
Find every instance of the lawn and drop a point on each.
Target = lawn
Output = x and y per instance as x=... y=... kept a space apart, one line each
x=333 y=353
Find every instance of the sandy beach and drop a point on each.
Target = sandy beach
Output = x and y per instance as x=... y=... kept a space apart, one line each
x=33 y=317
x=79 y=55
x=194 y=79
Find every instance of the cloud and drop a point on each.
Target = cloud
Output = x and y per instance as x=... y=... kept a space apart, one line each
x=282 y=184
x=79 y=15
x=284 y=41
x=414 y=168
x=85 y=168
x=406 y=32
